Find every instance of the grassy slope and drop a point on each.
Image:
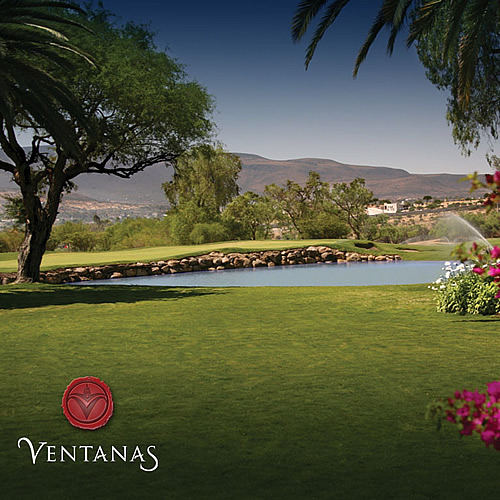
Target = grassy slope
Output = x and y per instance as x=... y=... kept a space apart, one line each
x=53 y=260
x=247 y=393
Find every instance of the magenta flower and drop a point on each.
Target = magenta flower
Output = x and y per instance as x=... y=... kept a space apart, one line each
x=488 y=437
x=478 y=270
x=495 y=252
x=494 y=272
x=467 y=428
x=478 y=398
x=494 y=391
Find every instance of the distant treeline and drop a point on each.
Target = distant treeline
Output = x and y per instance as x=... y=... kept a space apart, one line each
x=137 y=233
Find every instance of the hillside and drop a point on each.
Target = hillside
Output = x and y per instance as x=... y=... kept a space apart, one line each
x=145 y=188
x=385 y=182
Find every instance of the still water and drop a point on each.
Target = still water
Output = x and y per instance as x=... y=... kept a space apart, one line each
x=333 y=274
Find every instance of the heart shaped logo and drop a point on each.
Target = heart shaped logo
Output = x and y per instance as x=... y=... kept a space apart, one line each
x=87 y=403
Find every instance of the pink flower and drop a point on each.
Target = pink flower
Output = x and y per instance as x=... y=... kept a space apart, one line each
x=494 y=272
x=488 y=437
x=478 y=270
x=463 y=412
x=496 y=177
x=478 y=398
x=495 y=252
x=494 y=391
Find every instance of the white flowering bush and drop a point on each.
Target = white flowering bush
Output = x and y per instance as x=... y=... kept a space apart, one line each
x=461 y=291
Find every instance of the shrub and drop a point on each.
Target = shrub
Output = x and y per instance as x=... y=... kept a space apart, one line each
x=134 y=233
x=208 y=232
x=76 y=236
x=462 y=291
x=10 y=240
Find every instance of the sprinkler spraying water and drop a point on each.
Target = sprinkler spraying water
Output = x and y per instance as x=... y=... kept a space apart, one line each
x=454 y=230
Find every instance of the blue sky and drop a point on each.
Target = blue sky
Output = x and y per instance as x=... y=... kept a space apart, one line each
x=267 y=104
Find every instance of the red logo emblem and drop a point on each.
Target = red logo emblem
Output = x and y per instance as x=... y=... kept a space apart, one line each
x=87 y=403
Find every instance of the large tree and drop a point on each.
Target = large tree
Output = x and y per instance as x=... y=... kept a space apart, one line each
x=143 y=110
x=253 y=211
x=206 y=177
x=204 y=183
x=352 y=201
x=463 y=29
x=308 y=209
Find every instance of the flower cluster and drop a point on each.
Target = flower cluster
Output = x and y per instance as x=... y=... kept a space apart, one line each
x=451 y=270
x=486 y=262
x=492 y=182
x=476 y=412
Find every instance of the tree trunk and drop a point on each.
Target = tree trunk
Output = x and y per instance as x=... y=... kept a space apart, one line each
x=32 y=250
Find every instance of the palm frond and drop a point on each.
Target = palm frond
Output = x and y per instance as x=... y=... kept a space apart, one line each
x=306 y=12
x=377 y=26
x=328 y=19
x=396 y=13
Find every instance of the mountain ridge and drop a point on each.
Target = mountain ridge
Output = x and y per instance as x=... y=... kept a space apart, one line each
x=258 y=171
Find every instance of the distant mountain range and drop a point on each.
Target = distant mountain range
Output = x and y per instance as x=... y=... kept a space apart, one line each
x=257 y=172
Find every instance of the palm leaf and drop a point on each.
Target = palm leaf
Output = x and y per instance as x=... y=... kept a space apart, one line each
x=377 y=25
x=306 y=12
x=328 y=19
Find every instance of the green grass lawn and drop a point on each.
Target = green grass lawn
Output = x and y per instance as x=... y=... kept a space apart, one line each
x=52 y=260
x=254 y=393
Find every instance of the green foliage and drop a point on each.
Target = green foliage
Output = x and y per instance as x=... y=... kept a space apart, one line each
x=14 y=210
x=130 y=233
x=307 y=210
x=325 y=224
x=10 y=240
x=204 y=183
x=75 y=236
x=143 y=110
x=253 y=213
x=206 y=177
x=487 y=224
x=351 y=201
x=467 y=293
x=180 y=222
x=481 y=116
x=378 y=228
x=208 y=232
x=148 y=109
x=133 y=233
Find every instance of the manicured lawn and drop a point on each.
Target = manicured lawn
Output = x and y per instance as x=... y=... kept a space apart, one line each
x=52 y=260
x=255 y=393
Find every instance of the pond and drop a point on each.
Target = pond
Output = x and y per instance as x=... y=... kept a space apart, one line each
x=332 y=274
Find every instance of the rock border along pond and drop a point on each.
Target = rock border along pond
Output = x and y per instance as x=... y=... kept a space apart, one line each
x=214 y=261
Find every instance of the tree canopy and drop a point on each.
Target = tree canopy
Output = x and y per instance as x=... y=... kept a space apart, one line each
x=205 y=176
x=309 y=209
x=143 y=110
x=481 y=117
